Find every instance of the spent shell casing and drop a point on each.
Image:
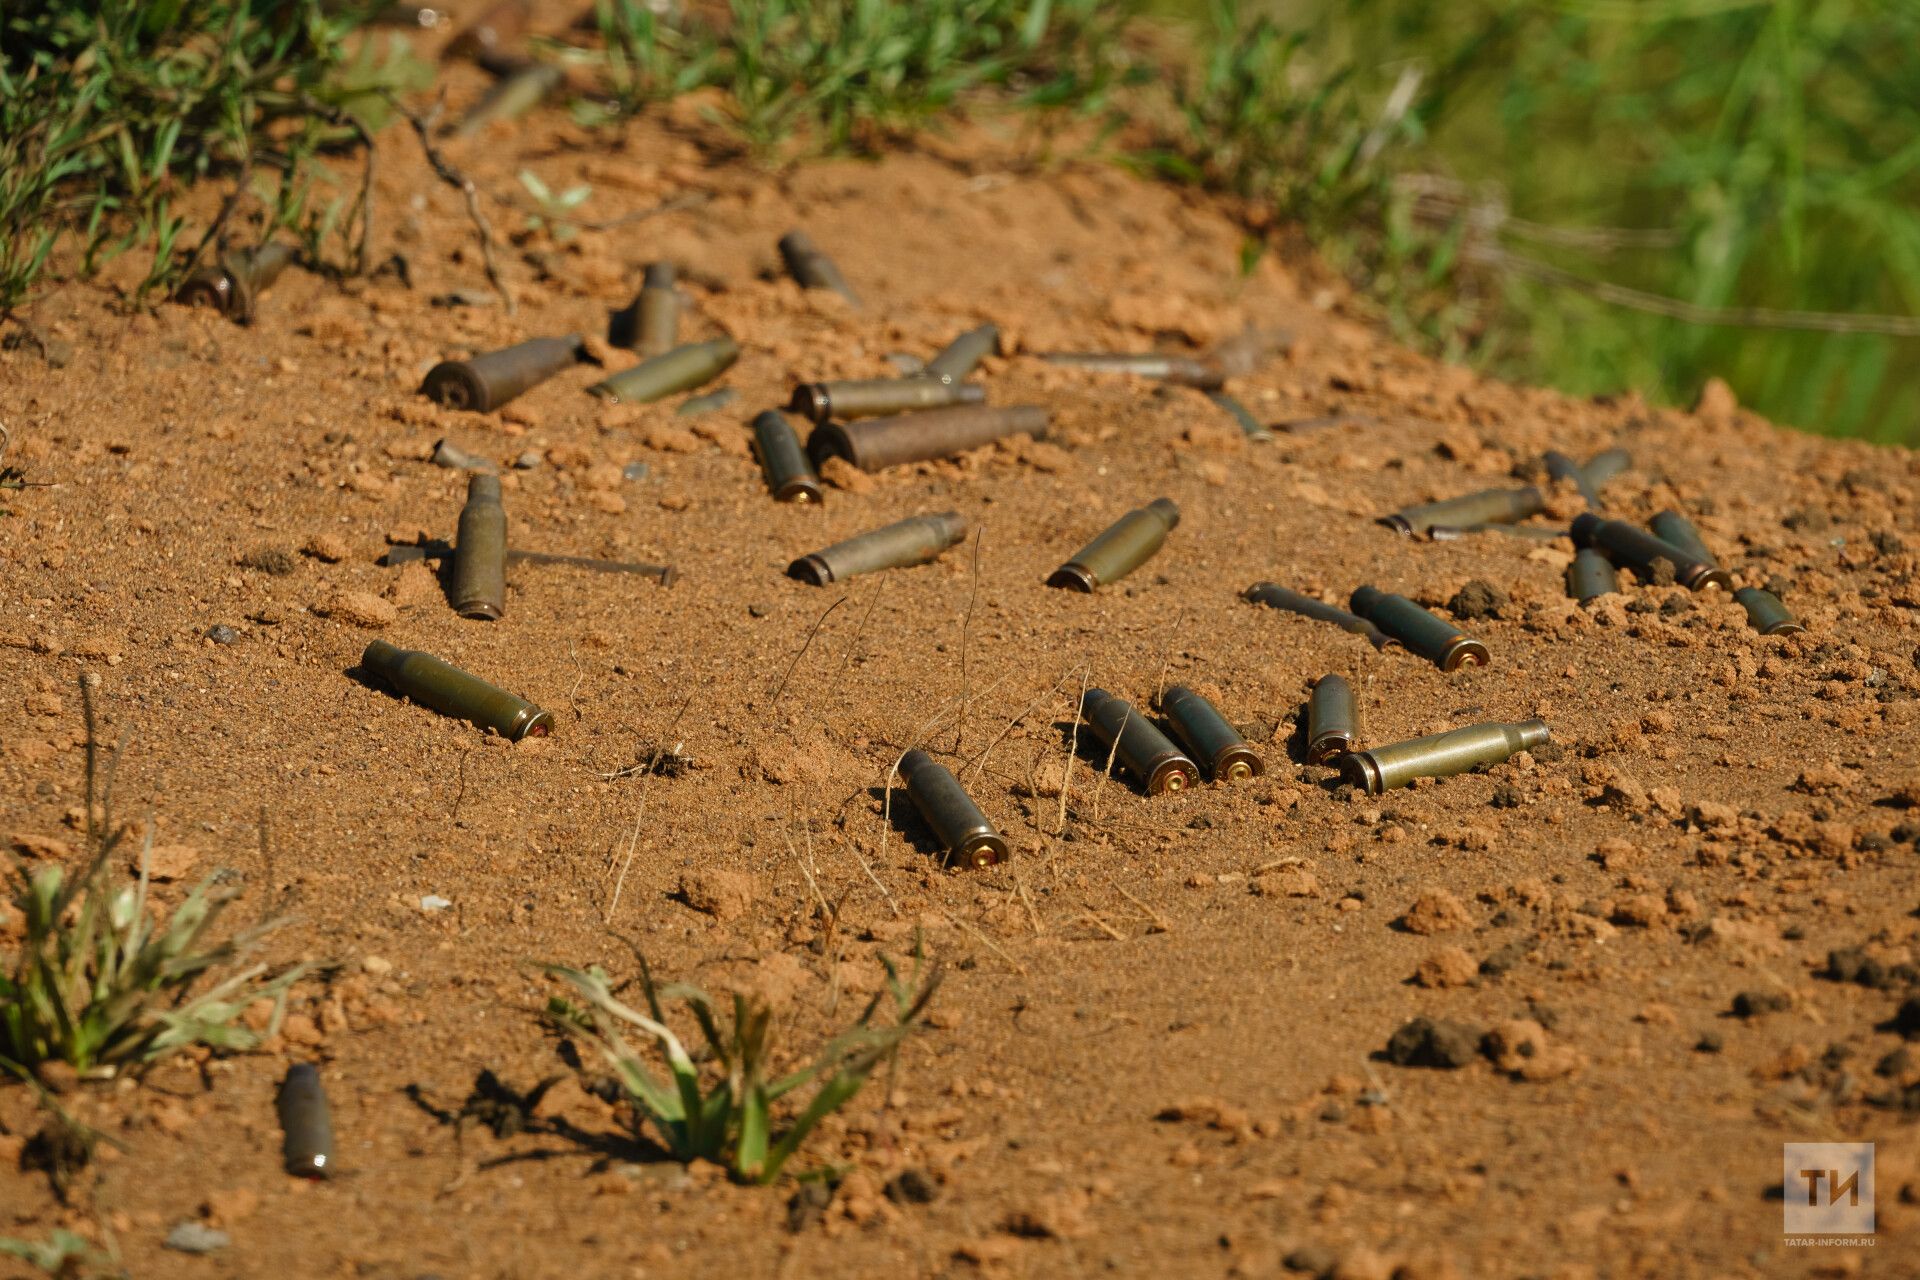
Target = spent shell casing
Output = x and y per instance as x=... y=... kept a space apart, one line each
x=1275 y=596
x=516 y=93
x=1640 y=551
x=1142 y=750
x=1591 y=575
x=480 y=552
x=1439 y=755
x=1433 y=638
x=450 y=455
x=452 y=692
x=873 y=444
x=1766 y=614
x=789 y=475
x=410 y=552
x=233 y=285
x=914 y=540
x=873 y=397
x=1182 y=370
x=1486 y=506
x=962 y=828
x=485 y=382
x=649 y=323
x=1126 y=545
x=1605 y=465
x=1333 y=719
x=964 y=354
x=1671 y=526
x=812 y=268
x=306 y=1125
x=1205 y=732
x=1527 y=532
x=680 y=369
x=1251 y=426
x=706 y=403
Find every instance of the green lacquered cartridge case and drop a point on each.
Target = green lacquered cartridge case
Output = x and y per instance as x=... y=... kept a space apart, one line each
x=235 y=284
x=962 y=828
x=1671 y=526
x=707 y=403
x=914 y=540
x=1562 y=467
x=1333 y=720
x=1207 y=735
x=1439 y=755
x=1488 y=506
x=680 y=369
x=1605 y=465
x=1275 y=596
x=1249 y=425
x=306 y=1126
x=1766 y=614
x=789 y=475
x=1183 y=370
x=453 y=692
x=1143 y=750
x=1126 y=545
x=1433 y=638
x=485 y=382
x=964 y=354
x=1591 y=575
x=480 y=552
x=1628 y=545
x=872 y=397
x=1525 y=532
x=650 y=324
x=812 y=268
x=877 y=443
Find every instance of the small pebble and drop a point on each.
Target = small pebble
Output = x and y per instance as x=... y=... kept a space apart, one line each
x=634 y=471
x=527 y=461
x=221 y=633
x=434 y=902
x=196 y=1237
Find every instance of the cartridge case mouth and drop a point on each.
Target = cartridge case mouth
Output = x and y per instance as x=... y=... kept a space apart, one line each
x=1461 y=651
x=810 y=401
x=215 y=288
x=1172 y=774
x=1237 y=764
x=455 y=385
x=482 y=610
x=985 y=849
x=1330 y=745
x=811 y=568
x=1362 y=771
x=1074 y=578
x=1399 y=524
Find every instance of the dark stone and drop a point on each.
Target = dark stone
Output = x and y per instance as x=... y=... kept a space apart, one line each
x=1709 y=1042
x=1906 y=1021
x=1477 y=599
x=1753 y=1004
x=1426 y=1042
x=912 y=1186
x=807 y=1204
x=1548 y=753
x=221 y=633
x=1315 y=1260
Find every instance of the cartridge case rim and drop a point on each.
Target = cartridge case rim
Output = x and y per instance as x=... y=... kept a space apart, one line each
x=1172 y=774
x=454 y=385
x=811 y=568
x=798 y=489
x=1237 y=763
x=1462 y=650
x=1073 y=577
x=810 y=401
x=215 y=287
x=982 y=849
x=1363 y=771
x=1398 y=523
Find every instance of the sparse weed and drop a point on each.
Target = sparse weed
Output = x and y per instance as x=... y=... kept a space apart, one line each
x=554 y=207
x=61 y=1254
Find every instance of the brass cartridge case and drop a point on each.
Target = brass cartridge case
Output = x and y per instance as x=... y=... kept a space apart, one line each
x=789 y=474
x=914 y=540
x=680 y=369
x=1433 y=638
x=1671 y=526
x=707 y=403
x=306 y=1125
x=485 y=382
x=452 y=692
x=873 y=397
x=964 y=354
x=1439 y=755
x=1766 y=614
x=1275 y=596
x=480 y=552
x=876 y=443
x=649 y=323
x=812 y=268
x=234 y=285
x=1126 y=545
x=1487 y=506
x=963 y=829
x=1638 y=550
x=1591 y=575
x=1333 y=720
x=1143 y=750
x=1251 y=426
x=516 y=93
x=1207 y=735
x=1182 y=370
x=1605 y=465
x=1561 y=467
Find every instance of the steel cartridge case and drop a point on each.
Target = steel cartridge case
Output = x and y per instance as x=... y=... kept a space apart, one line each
x=1671 y=526
x=680 y=369
x=1126 y=545
x=453 y=692
x=914 y=540
x=789 y=475
x=234 y=285
x=516 y=93
x=485 y=382
x=306 y=1125
x=649 y=325
x=1250 y=426
x=1605 y=465
x=874 y=444
x=1207 y=735
x=1487 y=506
x=1433 y=638
x=1333 y=720
x=963 y=830
x=1766 y=614
x=1439 y=755
x=812 y=268
x=707 y=403
x=1526 y=532
x=1591 y=575
x=1182 y=370
x=1142 y=750
x=1634 y=547
x=872 y=397
x=964 y=354
x=480 y=552
x=1275 y=596
x=1561 y=467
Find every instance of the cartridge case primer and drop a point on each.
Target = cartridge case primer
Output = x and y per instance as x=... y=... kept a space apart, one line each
x=1332 y=720
x=1145 y=752
x=962 y=828
x=1433 y=638
x=914 y=540
x=1439 y=755
x=480 y=552
x=1126 y=545
x=485 y=382
x=877 y=443
x=452 y=692
x=1207 y=735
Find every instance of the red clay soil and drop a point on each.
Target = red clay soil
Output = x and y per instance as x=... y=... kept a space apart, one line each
x=1161 y=1043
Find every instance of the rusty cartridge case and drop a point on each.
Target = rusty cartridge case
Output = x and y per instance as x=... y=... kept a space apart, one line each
x=1205 y=732
x=680 y=369
x=1143 y=750
x=707 y=403
x=485 y=382
x=1605 y=465
x=1634 y=547
x=877 y=443
x=1487 y=506
x=306 y=1125
x=964 y=354
x=812 y=268
x=1252 y=427
x=1333 y=719
x=648 y=324
x=496 y=30
x=1433 y=638
x=1561 y=467
x=1766 y=614
x=1671 y=526
x=1275 y=596
x=1439 y=755
x=873 y=397
x=1591 y=575
x=789 y=474
x=968 y=837
x=480 y=552
x=1182 y=370
x=453 y=692
x=914 y=540
x=1126 y=545
x=516 y=93
x=234 y=285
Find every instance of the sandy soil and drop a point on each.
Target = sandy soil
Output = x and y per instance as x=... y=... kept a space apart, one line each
x=1160 y=1045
